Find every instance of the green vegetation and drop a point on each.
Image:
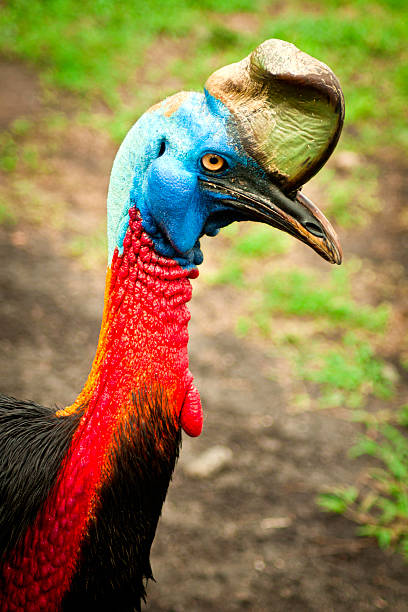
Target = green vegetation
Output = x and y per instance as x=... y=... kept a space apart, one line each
x=8 y=152
x=301 y=293
x=7 y=216
x=352 y=194
x=97 y=48
x=298 y=292
x=91 y=49
x=14 y=149
x=259 y=241
x=89 y=249
x=348 y=374
x=116 y=59
x=255 y=242
x=337 y=354
x=379 y=504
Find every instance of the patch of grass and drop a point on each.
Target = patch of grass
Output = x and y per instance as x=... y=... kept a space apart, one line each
x=8 y=152
x=7 y=215
x=90 y=250
x=379 y=504
x=36 y=206
x=231 y=273
x=243 y=326
x=15 y=152
x=348 y=374
x=30 y=156
x=221 y=38
x=300 y=293
x=92 y=48
x=261 y=241
x=343 y=364
x=352 y=195
x=246 y=244
x=21 y=126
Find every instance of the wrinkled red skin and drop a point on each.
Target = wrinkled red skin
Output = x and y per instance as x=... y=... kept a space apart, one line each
x=143 y=343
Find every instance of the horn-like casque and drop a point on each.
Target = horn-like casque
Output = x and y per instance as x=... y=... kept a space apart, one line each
x=288 y=109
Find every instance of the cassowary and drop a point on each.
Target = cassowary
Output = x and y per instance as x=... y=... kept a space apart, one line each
x=81 y=488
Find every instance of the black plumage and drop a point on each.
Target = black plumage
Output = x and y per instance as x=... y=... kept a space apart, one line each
x=33 y=444
x=141 y=463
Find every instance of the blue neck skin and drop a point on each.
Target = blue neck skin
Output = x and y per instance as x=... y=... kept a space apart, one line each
x=157 y=171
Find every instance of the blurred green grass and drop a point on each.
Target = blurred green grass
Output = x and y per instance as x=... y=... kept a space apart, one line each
x=94 y=48
x=115 y=59
x=338 y=351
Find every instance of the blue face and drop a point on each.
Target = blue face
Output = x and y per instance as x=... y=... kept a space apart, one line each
x=183 y=166
x=159 y=169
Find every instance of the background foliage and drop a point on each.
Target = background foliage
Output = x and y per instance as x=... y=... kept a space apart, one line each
x=114 y=59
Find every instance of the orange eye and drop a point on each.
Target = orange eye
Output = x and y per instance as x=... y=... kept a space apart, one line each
x=213 y=162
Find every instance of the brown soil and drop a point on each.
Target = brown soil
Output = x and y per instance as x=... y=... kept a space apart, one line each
x=248 y=536
x=17 y=81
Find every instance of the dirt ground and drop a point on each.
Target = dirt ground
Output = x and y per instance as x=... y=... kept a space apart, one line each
x=248 y=535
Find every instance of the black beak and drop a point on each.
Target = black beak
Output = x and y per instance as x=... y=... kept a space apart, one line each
x=256 y=198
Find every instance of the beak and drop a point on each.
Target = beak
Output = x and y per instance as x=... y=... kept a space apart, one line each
x=256 y=198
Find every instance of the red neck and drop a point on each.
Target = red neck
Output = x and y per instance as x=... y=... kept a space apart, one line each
x=142 y=345
x=143 y=339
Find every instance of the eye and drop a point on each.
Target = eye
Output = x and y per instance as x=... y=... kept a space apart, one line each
x=213 y=162
x=162 y=149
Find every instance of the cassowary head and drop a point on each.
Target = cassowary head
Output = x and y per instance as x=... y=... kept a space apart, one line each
x=241 y=151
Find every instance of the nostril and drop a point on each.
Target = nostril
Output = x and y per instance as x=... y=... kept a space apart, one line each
x=314 y=229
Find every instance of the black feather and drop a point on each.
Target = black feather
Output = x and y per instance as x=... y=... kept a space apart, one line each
x=114 y=563
x=33 y=443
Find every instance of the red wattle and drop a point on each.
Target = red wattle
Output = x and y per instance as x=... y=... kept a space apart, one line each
x=191 y=417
